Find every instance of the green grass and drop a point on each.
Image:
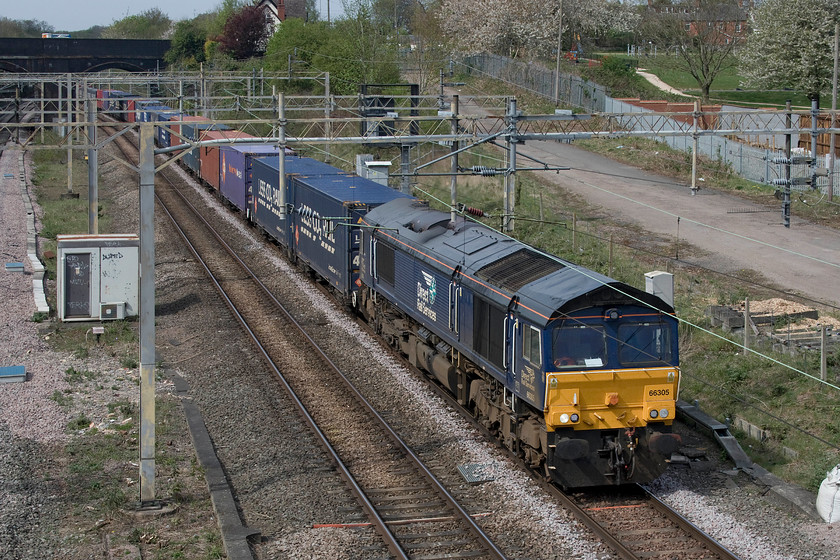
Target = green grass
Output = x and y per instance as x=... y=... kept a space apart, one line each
x=726 y=88
x=62 y=215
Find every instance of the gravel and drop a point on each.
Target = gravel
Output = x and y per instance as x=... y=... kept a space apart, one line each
x=276 y=469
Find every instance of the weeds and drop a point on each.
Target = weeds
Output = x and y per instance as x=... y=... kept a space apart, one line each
x=78 y=423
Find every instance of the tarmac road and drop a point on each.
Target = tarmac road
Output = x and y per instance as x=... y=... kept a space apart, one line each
x=803 y=259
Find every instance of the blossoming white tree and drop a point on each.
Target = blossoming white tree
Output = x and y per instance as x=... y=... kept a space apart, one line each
x=791 y=46
x=514 y=26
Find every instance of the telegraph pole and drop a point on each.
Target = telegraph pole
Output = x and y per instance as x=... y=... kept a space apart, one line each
x=559 y=54
x=147 y=315
x=831 y=149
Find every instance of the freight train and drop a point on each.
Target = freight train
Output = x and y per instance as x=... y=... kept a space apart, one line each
x=575 y=372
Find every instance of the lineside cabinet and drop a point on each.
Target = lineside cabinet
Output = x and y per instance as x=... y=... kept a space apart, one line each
x=97 y=277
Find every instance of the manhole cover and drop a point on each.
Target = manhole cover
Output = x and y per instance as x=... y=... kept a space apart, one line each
x=476 y=472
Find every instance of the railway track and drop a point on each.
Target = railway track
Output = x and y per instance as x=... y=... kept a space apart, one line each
x=403 y=501
x=636 y=524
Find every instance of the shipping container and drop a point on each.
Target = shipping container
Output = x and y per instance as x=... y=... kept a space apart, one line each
x=162 y=131
x=209 y=155
x=193 y=130
x=146 y=108
x=266 y=211
x=326 y=213
x=236 y=172
x=325 y=206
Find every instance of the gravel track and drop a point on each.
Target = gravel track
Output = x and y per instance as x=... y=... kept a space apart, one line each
x=279 y=477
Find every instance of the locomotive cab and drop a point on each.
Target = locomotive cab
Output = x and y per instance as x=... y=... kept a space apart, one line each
x=610 y=398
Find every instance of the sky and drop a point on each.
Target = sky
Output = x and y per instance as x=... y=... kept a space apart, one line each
x=77 y=15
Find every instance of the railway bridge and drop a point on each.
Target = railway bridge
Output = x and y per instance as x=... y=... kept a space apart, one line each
x=67 y=55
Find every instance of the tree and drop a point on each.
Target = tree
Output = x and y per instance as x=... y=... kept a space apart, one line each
x=151 y=24
x=395 y=14
x=245 y=33
x=30 y=28
x=514 y=27
x=428 y=49
x=223 y=12
x=187 y=43
x=353 y=50
x=703 y=35
x=791 y=46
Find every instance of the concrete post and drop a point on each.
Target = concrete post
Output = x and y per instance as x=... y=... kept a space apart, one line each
x=786 y=199
x=281 y=144
x=695 y=147
x=823 y=354
x=510 y=175
x=453 y=178
x=746 y=326
x=147 y=313
x=93 y=170
x=405 y=168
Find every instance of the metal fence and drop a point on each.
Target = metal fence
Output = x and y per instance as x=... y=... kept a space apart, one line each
x=750 y=162
x=573 y=90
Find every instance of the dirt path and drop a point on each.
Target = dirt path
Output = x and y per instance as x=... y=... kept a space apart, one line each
x=654 y=79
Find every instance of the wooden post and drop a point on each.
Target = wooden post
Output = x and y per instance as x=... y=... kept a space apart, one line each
x=574 y=232
x=823 y=354
x=746 y=326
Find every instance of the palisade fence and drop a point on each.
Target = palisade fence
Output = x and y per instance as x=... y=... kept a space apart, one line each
x=750 y=162
x=574 y=90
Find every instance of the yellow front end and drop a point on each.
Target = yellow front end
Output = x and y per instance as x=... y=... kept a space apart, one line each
x=609 y=399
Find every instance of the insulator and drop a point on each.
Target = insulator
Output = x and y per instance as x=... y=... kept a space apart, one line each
x=474 y=211
x=484 y=171
x=780 y=182
x=781 y=160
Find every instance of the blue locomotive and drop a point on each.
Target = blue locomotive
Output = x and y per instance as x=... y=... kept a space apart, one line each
x=576 y=372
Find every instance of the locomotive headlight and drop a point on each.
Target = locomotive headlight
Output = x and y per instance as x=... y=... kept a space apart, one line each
x=564 y=418
x=663 y=413
x=653 y=413
x=575 y=417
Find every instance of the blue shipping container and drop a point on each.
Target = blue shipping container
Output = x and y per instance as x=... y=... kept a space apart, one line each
x=236 y=173
x=266 y=210
x=325 y=220
x=163 y=132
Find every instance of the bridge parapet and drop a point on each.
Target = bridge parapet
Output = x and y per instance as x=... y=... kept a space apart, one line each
x=61 y=56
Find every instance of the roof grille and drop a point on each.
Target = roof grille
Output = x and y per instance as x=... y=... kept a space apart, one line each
x=518 y=269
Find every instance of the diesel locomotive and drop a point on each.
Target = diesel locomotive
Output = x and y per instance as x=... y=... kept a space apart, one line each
x=576 y=372
x=572 y=370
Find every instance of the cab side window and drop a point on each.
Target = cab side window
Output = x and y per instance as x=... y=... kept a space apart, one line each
x=531 y=347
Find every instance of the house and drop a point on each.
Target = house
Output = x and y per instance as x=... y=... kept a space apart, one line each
x=276 y=12
x=727 y=19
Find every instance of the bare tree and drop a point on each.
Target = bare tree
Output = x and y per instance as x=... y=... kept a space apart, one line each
x=701 y=34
